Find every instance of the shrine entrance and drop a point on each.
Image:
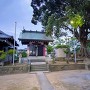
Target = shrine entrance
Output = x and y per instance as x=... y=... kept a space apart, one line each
x=36 y=42
x=36 y=50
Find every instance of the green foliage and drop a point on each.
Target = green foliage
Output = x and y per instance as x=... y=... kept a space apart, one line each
x=49 y=49
x=24 y=54
x=66 y=51
x=10 y=52
x=1 y=51
x=88 y=45
x=76 y=21
x=66 y=10
x=2 y=55
x=72 y=15
x=49 y=27
x=54 y=24
x=61 y=46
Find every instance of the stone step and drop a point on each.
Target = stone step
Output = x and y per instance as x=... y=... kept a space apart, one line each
x=39 y=70
x=37 y=60
x=38 y=67
x=42 y=67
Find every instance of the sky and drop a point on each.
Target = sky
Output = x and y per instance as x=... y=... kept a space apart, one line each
x=19 y=11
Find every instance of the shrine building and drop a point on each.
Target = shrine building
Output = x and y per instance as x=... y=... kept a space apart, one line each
x=36 y=42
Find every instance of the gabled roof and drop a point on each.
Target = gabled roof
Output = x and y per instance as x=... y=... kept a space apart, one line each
x=7 y=38
x=4 y=35
x=34 y=36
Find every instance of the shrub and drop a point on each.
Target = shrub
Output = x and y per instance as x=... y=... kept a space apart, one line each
x=61 y=46
x=10 y=52
x=24 y=54
x=66 y=51
x=2 y=55
x=1 y=51
x=49 y=49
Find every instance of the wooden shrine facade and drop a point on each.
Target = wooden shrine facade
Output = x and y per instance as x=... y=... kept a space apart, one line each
x=6 y=41
x=36 y=42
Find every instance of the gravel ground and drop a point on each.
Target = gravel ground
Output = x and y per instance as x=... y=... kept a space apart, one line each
x=19 y=82
x=70 y=80
x=62 y=80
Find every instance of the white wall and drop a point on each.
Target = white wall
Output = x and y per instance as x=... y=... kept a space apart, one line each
x=60 y=52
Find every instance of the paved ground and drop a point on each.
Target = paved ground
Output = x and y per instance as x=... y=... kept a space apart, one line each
x=70 y=80
x=62 y=80
x=19 y=82
x=43 y=81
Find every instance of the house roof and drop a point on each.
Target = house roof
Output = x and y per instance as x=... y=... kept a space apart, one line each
x=34 y=36
x=7 y=38
x=4 y=35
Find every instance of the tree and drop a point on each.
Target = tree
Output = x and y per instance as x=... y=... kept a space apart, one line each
x=49 y=49
x=72 y=15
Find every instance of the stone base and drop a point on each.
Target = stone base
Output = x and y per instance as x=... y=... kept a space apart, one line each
x=66 y=67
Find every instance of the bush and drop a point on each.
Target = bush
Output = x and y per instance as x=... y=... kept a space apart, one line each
x=2 y=55
x=61 y=46
x=1 y=51
x=49 y=49
x=24 y=54
x=66 y=51
x=10 y=52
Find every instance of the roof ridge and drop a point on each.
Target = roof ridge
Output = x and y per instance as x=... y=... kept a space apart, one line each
x=30 y=31
x=5 y=34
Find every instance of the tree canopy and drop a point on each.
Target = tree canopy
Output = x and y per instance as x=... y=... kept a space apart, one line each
x=72 y=15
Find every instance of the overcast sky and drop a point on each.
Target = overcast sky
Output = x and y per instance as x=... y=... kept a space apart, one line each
x=19 y=11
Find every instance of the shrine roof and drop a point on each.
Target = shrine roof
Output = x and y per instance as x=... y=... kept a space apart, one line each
x=34 y=35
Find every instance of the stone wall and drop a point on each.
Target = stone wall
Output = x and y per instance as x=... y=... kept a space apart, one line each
x=4 y=70
x=66 y=67
x=14 y=69
x=60 y=52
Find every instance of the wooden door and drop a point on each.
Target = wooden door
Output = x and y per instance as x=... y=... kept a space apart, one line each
x=40 y=50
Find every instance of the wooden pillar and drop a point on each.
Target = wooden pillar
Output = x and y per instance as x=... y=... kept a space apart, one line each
x=43 y=50
x=28 y=51
x=36 y=50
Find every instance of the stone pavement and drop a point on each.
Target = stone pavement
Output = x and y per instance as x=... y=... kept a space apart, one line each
x=43 y=81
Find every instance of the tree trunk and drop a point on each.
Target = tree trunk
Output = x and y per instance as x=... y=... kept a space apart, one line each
x=82 y=37
x=83 y=50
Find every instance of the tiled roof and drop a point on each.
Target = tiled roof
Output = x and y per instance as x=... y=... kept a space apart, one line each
x=34 y=35
x=3 y=35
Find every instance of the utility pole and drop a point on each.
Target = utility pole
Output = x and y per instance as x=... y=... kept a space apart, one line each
x=75 y=51
x=14 y=43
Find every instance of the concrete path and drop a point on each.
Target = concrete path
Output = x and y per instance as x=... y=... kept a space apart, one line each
x=43 y=81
